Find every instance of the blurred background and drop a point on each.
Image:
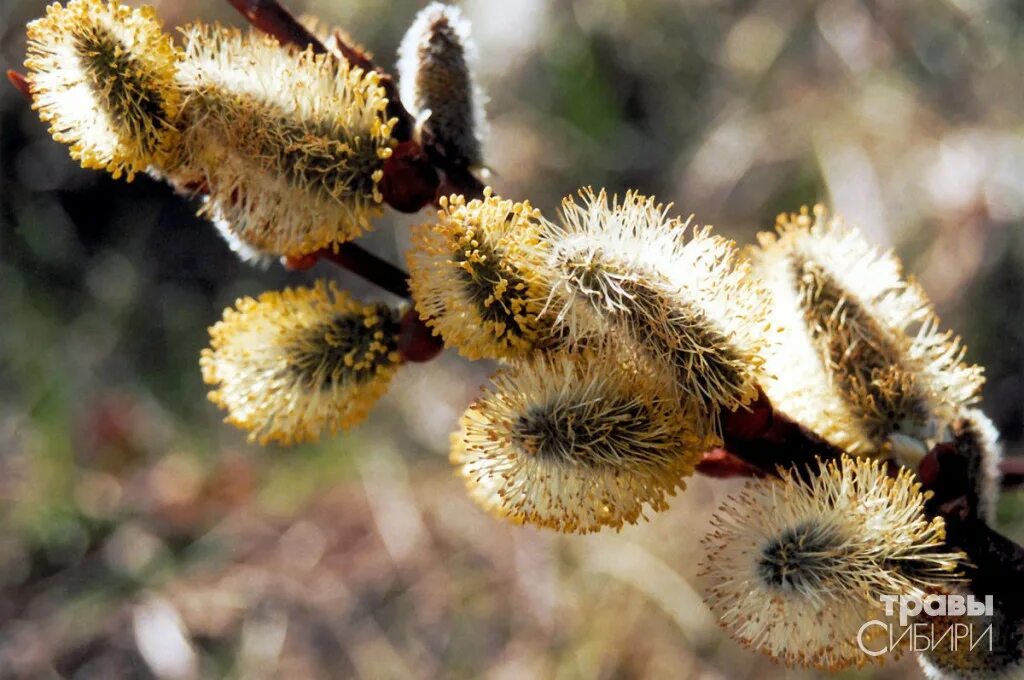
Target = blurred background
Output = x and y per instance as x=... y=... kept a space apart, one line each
x=140 y=537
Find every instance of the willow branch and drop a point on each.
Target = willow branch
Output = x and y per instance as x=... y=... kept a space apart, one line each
x=353 y=54
x=723 y=464
x=360 y=262
x=759 y=440
x=273 y=19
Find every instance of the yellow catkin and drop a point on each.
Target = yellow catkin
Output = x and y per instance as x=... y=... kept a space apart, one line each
x=477 y=276
x=576 y=442
x=436 y=81
x=795 y=566
x=289 y=145
x=102 y=75
x=626 y=268
x=292 y=364
x=862 y=360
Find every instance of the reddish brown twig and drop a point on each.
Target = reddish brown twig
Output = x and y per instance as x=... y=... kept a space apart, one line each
x=273 y=19
x=767 y=439
x=360 y=262
x=722 y=464
x=352 y=53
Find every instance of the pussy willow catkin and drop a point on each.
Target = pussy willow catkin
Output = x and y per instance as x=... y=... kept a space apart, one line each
x=627 y=269
x=288 y=145
x=576 y=442
x=290 y=365
x=478 y=276
x=795 y=567
x=976 y=441
x=897 y=381
x=437 y=85
x=103 y=76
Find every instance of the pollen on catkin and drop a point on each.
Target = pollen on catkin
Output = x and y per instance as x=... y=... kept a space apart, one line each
x=794 y=567
x=576 y=442
x=477 y=276
x=437 y=85
x=897 y=381
x=102 y=75
x=292 y=364
x=290 y=145
x=626 y=268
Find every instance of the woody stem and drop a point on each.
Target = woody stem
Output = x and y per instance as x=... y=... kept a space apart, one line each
x=365 y=264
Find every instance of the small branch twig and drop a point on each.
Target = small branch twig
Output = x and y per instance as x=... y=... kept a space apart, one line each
x=360 y=262
x=765 y=440
x=273 y=19
x=353 y=54
x=722 y=464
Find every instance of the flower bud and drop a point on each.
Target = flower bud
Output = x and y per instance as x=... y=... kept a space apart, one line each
x=862 y=360
x=795 y=567
x=477 y=276
x=437 y=85
x=289 y=145
x=102 y=75
x=627 y=269
x=576 y=442
x=290 y=365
